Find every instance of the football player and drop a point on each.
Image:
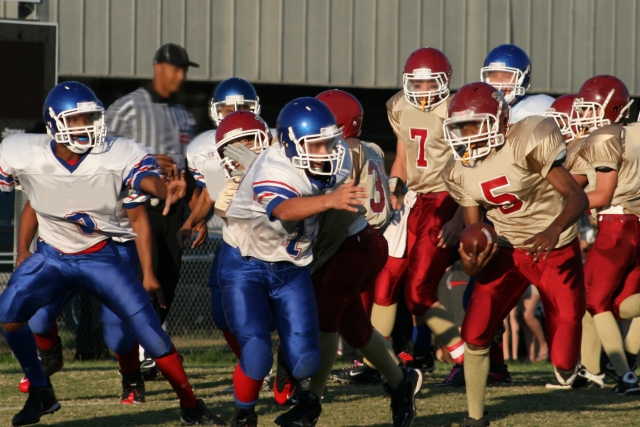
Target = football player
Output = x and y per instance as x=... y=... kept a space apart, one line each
x=273 y=221
x=533 y=203
x=350 y=238
x=60 y=172
x=612 y=265
x=421 y=241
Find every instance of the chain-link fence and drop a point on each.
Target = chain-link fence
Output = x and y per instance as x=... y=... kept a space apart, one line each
x=189 y=323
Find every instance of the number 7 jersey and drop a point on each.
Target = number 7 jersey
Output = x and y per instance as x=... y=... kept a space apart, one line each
x=510 y=182
x=423 y=136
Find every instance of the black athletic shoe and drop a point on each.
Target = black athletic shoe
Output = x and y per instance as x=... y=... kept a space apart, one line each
x=608 y=369
x=472 y=422
x=627 y=385
x=359 y=373
x=455 y=377
x=41 y=401
x=149 y=369
x=199 y=415
x=418 y=358
x=51 y=360
x=132 y=389
x=586 y=379
x=304 y=414
x=499 y=375
x=286 y=387
x=245 y=418
x=403 y=403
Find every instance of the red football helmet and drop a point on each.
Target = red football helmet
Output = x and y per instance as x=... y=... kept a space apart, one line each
x=483 y=104
x=602 y=100
x=237 y=126
x=426 y=63
x=560 y=110
x=346 y=109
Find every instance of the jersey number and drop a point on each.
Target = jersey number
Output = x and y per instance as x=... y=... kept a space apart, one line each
x=377 y=202
x=86 y=225
x=508 y=203
x=292 y=244
x=419 y=136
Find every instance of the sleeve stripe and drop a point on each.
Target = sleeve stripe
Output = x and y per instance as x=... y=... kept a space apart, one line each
x=258 y=190
x=146 y=165
x=276 y=184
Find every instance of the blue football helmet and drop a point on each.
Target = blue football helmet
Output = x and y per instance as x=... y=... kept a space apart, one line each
x=233 y=91
x=68 y=99
x=508 y=58
x=306 y=121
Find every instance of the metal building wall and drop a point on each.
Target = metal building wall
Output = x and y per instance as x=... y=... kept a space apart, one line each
x=347 y=42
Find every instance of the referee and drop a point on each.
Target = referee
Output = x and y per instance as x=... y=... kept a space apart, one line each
x=152 y=117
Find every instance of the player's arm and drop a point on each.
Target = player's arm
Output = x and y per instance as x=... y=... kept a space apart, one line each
x=606 y=182
x=140 y=225
x=474 y=262
x=26 y=232
x=398 y=174
x=172 y=192
x=346 y=197
x=199 y=213
x=576 y=203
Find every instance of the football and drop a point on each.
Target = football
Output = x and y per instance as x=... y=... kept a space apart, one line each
x=483 y=233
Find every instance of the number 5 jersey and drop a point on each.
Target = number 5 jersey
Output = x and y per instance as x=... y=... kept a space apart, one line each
x=76 y=205
x=510 y=182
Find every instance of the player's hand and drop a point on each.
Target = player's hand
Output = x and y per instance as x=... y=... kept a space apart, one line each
x=152 y=286
x=395 y=203
x=165 y=163
x=347 y=197
x=474 y=262
x=450 y=233
x=543 y=242
x=240 y=154
x=22 y=255
x=202 y=231
x=184 y=235
x=176 y=189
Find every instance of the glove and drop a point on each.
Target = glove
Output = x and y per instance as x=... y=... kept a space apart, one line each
x=240 y=154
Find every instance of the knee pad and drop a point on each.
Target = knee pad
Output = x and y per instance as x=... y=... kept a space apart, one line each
x=217 y=311
x=147 y=330
x=356 y=337
x=117 y=337
x=257 y=359
x=306 y=364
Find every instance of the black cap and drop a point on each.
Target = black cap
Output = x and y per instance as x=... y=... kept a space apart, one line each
x=173 y=54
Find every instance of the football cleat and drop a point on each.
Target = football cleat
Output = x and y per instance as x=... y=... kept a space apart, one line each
x=245 y=418
x=455 y=377
x=149 y=369
x=304 y=414
x=359 y=373
x=418 y=358
x=41 y=401
x=52 y=360
x=403 y=403
x=24 y=385
x=132 y=389
x=564 y=378
x=608 y=369
x=286 y=386
x=499 y=375
x=472 y=422
x=627 y=385
x=586 y=379
x=199 y=415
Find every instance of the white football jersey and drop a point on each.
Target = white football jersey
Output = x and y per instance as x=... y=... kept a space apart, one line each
x=530 y=105
x=75 y=205
x=270 y=180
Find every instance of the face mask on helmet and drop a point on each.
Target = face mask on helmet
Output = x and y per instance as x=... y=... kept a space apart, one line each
x=254 y=139
x=562 y=120
x=589 y=116
x=424 y=89
x=320 y=154
x=507 y=80
x=472 y=136
x=79 y=129
x=218 y=110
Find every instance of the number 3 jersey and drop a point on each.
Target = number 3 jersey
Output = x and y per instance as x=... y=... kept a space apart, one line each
x=510 y=182
x=75 y=205
x=269 y=181
x=423 y=136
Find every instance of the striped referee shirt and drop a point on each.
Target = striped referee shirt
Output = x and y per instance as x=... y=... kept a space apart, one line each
x=158 y=123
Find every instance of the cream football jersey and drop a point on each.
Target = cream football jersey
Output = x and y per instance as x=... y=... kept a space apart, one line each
x=75 y=205
x=269 y=181
x=510 y=182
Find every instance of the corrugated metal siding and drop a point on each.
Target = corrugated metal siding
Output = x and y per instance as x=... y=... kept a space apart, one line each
x=347 y=42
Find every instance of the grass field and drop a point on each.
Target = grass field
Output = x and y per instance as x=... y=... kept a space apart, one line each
x=88 y=393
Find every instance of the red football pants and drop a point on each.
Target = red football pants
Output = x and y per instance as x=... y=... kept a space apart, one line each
x=612 y=267
x=339 y=282
x=560 y=282
x=424 y=263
